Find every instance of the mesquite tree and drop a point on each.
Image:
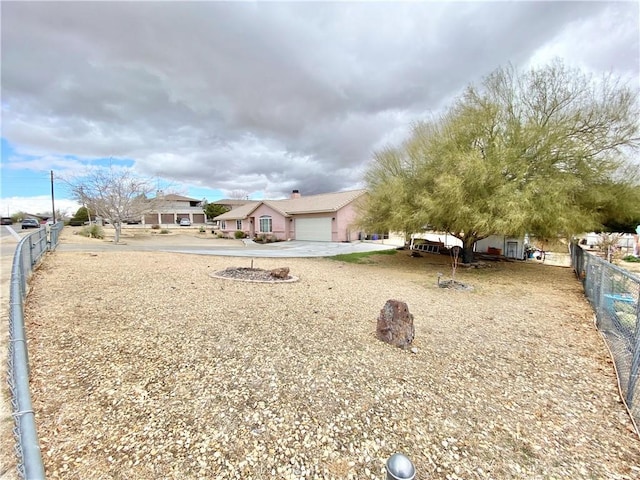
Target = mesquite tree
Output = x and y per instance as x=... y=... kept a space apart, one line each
x=541 y=152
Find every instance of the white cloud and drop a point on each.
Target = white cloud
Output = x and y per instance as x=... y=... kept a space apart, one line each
x=38 y=204
x=268 y=96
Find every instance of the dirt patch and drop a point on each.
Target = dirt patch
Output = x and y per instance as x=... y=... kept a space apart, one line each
x=145 y=367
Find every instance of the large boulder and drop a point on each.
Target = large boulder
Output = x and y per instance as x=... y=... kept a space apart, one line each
x=395 y=324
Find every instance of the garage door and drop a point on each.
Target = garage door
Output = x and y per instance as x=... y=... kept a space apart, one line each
x=313 y=229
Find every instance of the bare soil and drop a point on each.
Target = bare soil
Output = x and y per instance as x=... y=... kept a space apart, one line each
x=144 y=366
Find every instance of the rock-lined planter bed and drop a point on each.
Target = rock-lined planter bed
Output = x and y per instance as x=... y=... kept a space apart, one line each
x=258 y=275
x=145 y=367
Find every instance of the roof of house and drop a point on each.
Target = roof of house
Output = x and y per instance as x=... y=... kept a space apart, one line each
x=322 y=203
x=232 y=202
x=240 y=212
x=172 y=197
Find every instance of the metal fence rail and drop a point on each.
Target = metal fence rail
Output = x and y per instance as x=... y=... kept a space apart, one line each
x=27 y=256
x=614 y=294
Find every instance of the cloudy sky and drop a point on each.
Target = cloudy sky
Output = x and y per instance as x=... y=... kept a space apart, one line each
x=213 y=98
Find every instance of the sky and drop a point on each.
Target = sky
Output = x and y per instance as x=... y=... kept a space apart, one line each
x=219 y=99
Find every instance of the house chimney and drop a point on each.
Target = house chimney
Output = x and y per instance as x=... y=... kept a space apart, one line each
x=295 y=194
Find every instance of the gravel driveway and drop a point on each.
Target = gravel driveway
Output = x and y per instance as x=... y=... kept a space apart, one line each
x=146 y=367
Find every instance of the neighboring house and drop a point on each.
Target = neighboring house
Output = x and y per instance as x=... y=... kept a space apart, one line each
x=229 y=204
x=627 y=242
x=169 y=209
x=328 y=217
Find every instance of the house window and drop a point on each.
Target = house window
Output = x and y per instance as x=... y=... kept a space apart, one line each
x=238 y=224
x=223 y=224
x=265 y=224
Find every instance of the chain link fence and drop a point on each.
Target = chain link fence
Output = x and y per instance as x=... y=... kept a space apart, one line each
x=28 y=254
x=613 y=293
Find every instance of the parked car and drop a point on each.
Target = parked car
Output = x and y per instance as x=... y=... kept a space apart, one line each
x=185 y=222
x=30 y=223
x=6 y=221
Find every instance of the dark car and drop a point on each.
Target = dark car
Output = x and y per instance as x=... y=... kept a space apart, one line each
x=6 y=221
x=30 y=223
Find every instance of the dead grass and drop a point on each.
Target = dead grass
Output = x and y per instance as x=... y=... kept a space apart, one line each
x=145 y=367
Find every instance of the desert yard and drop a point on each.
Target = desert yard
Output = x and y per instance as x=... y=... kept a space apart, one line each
x=144 y=366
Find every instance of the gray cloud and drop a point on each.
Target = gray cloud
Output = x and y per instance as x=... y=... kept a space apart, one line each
x=269 y=96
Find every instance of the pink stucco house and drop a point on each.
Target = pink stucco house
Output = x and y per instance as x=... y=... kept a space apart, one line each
x=328 y=217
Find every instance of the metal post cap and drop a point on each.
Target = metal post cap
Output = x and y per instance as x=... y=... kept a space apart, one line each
x=400 y=467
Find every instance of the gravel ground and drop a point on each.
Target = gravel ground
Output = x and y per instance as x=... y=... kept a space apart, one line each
x=144 y=366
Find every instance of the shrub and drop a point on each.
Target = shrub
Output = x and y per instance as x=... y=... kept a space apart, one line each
x=632 y=259
x=93 y=231
x=202 y=229
x=155 y=227
x=239 y=234
x=164 y=231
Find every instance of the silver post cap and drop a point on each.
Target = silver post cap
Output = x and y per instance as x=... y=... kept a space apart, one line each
x=399 y=467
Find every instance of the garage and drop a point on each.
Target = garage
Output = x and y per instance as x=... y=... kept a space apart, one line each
x=313 y=229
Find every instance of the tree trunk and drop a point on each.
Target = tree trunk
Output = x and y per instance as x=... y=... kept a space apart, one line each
x=117 y=227
x=467 y=249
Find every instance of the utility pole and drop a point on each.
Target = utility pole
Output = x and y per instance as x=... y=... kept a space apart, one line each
x=53 y=204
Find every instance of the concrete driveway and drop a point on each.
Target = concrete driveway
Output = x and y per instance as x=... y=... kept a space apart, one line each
x=291 y=249
x=230 y=248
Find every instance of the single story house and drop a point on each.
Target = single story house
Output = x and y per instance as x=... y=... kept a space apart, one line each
x=169 y=209
x=328 y=217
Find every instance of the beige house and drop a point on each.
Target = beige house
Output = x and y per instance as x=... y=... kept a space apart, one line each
x=169 y=209
x=328 y=217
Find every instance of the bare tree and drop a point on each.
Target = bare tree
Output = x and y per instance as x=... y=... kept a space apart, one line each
x=114 y=194
x=239 y=195
x=608 y=243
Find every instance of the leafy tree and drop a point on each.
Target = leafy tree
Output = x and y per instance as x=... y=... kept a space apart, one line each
x=114 y=194
x=213 y=210
x=18 y=216
x=82 y=215
x=620 y=210
x=542 y=152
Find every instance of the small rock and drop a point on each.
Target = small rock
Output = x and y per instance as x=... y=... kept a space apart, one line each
x=414 y=349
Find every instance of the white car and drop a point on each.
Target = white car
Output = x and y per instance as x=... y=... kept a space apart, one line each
x=185 y=222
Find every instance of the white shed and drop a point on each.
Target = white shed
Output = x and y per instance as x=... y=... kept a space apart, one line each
x=510 y=247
